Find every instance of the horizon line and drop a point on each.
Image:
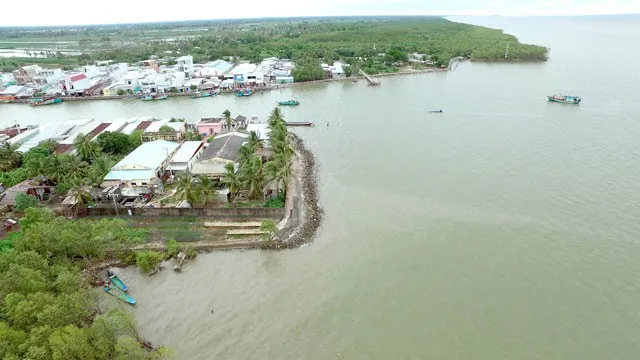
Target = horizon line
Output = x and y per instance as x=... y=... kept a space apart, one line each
x=308 y=17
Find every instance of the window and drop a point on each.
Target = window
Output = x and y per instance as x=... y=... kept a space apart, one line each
x=133 y=184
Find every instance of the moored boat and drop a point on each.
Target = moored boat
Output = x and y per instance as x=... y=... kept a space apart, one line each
x=115 y=280
x=118 y=293
x=289 y=102
x=146 y=98
x=201 y=95
x=246 y=92
x=300 y=123
x=565 y=99
x=161 y=97
x=40 y=102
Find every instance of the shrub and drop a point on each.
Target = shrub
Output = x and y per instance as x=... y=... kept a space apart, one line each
x=173 y=248
x=276 y=202
x=24 y=201
x=148 y=261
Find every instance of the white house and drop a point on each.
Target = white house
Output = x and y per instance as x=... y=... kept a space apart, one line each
x=183 y=159
x=49 y=76
x=76 y=83
x=185 y=65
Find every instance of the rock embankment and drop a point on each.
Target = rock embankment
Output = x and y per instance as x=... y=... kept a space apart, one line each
x=304 y=213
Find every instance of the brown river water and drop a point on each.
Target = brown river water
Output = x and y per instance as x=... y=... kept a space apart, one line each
x=505 y=228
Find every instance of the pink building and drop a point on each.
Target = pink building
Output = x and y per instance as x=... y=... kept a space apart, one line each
x=210 y=126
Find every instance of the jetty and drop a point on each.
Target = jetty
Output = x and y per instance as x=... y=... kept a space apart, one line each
x=371 y=80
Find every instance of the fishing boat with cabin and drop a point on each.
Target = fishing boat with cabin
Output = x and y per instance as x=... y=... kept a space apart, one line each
x=41 y=101
x=565 y=99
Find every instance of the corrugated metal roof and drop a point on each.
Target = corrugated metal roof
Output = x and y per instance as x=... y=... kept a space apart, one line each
x=142 y=162
x=186 y=151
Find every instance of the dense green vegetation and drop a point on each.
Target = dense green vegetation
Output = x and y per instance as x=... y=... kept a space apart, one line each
x=47 y=308
x=356 y=40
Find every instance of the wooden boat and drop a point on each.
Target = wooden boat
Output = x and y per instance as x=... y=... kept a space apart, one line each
x=201 y=95
x=299 y=123
x=118 y=293
x=289 y=103
x=246 y=92
x=565 y=99
x=40 y=102
x=115 y=280
x=147 y=98
x=161 y=97
x=436 y=111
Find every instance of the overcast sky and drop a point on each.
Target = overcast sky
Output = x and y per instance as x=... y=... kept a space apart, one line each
x=76 y=12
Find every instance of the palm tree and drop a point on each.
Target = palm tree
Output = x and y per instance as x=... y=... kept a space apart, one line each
x=80 y=192
x=279 y=169
x=53 y=169
x=232 y=181
x=275 y=117
x=255 y=143
x=187 y=189
x=253 y=178
x=36 y=167
x=208 y=189
x=50 y=145
x=245 y=154
x=227 y=119
x=86 y=148
x=9 y=156
x=73 y=167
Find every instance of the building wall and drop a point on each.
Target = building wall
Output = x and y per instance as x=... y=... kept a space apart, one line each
x=208 y=128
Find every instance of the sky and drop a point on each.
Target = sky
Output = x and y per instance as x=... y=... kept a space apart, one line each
x=81 y=12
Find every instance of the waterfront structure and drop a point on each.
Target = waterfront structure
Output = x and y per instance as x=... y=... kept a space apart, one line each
x=183 y=159
x=222 y=150
x=144 y=166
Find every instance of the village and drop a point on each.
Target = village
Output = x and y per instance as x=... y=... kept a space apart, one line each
x=235 y=169
x=174 y=76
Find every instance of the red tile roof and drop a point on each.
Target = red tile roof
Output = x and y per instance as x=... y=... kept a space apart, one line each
x=77 y=77
x=98 y=130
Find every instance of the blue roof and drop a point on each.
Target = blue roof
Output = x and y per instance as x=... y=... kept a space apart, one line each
x=221 y=65
x=142 y=162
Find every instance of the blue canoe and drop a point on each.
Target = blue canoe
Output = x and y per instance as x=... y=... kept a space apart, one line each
x=118 y=293
x=115 y=280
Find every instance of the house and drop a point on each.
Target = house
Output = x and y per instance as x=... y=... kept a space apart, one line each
x=185 y=65
x=183 y=159
x=222 y=150
x=25 y=74
x=152 y=132
x=32 y=187
x=144 y=166
x=76 y=84
x=220 y=66
x=210 y=126
x=261 y=129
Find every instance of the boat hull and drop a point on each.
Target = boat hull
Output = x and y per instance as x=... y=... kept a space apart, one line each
x=565 y=99
x=115 y=280
x=119 y=294
x=300 y=123
x=47 y=102
x=289 y=103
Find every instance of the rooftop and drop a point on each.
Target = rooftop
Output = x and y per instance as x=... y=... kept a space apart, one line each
x=186 y=151
x=225 y=147
x=210 y=120
x=142 y=162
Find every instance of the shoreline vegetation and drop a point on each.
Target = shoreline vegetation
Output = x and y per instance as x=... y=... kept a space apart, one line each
x=373 y=44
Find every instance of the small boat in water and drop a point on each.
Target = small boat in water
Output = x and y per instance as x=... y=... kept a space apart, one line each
x=40 y=102
x=115 y=280
x=161 y=97
x=299 y=123
x=246 y=92
x=118 y=293
x=289 y=102
x=565 y=99
x=436 y=111
x=201 y=95
x=147 y=98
